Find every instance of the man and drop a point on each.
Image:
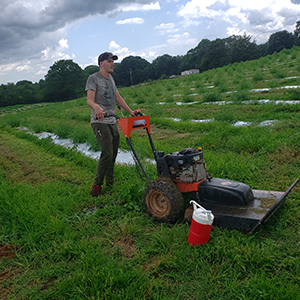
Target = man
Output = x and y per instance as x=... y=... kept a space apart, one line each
x=102 y=96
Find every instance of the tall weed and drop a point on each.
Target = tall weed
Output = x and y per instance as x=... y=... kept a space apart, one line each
x=212 y=97
x=241 y=95
x=257 y=76
x=63 y=129
x=79 y=133
x=12 y=120
x=278 y=73
x=293 y=94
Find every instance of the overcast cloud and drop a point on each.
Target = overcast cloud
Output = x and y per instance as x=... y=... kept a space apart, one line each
x=28 y=27
x=35 y=34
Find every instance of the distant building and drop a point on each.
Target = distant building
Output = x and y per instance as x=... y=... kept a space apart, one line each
x=189 y=72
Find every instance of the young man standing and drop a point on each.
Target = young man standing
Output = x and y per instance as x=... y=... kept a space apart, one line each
x=102 y=96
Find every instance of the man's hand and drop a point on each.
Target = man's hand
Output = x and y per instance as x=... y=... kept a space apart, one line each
x=136 y=113
x=99 y=112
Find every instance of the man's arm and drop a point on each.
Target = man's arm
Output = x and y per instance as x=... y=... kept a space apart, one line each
x=122 y=103
x=90 y=100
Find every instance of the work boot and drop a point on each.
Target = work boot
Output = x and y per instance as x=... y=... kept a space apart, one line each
x=95 y=190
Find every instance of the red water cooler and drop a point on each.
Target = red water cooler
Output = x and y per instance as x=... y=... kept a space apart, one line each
x=201 y=224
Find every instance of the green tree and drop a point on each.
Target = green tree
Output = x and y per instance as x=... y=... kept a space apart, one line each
x=165 y=65
x=89 y=70
x=116 y=74
x=297 y=34
x=28 y=92
x=132 y=70
x=241 y=48
x=280 y=40
x=193 y=57
x=4 y=100
x=64 y=81
x=263 y=49
x=8 y=95
x=216 y=55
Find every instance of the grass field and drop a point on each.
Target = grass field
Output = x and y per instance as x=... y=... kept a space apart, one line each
x=50 y=248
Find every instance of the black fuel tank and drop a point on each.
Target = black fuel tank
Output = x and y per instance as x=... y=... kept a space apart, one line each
x=225 y=192
x=184 y=157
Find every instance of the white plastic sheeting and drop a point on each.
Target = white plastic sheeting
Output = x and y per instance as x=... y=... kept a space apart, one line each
x=124 y=157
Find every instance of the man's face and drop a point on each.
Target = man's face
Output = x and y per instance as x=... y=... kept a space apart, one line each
x=107 y=65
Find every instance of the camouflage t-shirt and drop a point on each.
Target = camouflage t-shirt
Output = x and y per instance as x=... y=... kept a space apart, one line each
x=104 y=95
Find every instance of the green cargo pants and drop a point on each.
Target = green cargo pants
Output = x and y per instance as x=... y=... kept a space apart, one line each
x=108 y=138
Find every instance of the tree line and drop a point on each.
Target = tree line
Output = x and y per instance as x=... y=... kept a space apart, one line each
x=65 y=79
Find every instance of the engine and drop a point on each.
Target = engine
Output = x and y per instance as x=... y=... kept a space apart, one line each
x=185 y=166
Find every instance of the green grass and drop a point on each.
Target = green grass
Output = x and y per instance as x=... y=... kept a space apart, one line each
x=119 y=252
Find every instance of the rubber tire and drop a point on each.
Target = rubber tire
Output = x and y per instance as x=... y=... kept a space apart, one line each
x=164 y=201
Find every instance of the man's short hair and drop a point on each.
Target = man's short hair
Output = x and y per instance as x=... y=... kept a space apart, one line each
x=105 y=56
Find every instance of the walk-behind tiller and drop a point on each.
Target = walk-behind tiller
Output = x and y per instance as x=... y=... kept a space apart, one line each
x=234 y=204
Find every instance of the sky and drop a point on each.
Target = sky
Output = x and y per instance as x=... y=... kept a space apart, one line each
x=36 y=34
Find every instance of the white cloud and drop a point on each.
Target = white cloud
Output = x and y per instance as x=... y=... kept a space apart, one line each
x=179 y=39
x=254 y=4
x=234 y=31
x=55 y=53
x=22 y=68
x=196 y=9
x=121 y=52
x=130 y=21
x=8 y=68
x=149 y=53
x=64 y=43
x=151 y=6
x=165 y=28
x=140 y=7
x=113 y=46
x=42 y=71
x=258 y=17
x=153 y=52
x=187 y=23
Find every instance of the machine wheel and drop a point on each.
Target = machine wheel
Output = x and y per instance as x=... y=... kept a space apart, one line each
x=163 y=200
